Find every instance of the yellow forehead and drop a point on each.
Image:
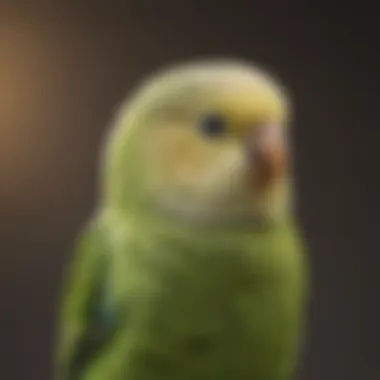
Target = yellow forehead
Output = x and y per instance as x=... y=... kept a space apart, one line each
x=243 y=96
x=247 y=107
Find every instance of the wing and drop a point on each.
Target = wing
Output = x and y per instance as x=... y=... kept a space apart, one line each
x=88 y=316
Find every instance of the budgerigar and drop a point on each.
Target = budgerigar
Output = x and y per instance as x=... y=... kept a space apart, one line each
x=192 y=266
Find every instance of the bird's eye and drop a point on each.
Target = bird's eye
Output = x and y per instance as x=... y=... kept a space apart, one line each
x=212 y=125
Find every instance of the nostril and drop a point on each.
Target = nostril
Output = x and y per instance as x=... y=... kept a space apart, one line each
x=265 y=151
x=264 y=137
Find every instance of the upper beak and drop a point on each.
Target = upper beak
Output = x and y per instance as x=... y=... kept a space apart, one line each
x=266 y=151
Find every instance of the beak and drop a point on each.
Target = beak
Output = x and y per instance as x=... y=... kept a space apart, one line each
x=266 y=151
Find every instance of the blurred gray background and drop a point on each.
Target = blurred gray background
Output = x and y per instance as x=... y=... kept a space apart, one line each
x=64 y=67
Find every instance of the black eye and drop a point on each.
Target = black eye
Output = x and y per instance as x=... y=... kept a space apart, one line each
x=212 y=125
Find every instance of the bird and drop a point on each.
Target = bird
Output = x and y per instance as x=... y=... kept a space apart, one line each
x=193 y=264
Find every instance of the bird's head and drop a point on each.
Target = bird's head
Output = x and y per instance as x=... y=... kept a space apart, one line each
x=203 y=143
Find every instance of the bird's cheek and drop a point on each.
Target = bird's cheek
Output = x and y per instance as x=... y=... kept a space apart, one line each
x=267 y=155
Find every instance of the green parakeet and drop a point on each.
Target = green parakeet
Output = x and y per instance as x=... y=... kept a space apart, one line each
x=192 y=266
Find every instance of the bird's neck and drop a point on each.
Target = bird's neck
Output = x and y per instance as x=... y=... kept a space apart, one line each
x=160 y=228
